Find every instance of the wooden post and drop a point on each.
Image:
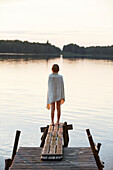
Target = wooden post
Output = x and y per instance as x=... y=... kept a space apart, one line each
x=88 y=132
x=8 y=162
x=15 y=144
x=43 y=128
x=65 y=134
x=98 y=147
x=44 y=135
x=95 y=150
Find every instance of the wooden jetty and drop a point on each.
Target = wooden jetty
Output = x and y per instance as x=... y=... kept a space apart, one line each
x=54 y=154
x=28 y=158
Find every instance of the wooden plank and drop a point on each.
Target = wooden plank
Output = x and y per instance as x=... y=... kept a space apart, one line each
x=59 y=145
x=53 y=167
x=32 y=166
x=71 y=162
x=37 y=158
x=53 y=140
x=43 y=128
x=47 y=141
x=34 y=158
x=69 y=127
x=56 y=168
x=60 y=140
x=72 y=151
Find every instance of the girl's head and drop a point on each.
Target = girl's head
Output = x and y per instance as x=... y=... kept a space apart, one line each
x=55 y=68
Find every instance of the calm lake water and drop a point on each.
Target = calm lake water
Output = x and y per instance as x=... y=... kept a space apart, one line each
x=89 y=103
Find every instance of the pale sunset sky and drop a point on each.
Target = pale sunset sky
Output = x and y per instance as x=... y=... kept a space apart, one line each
x=82 y=22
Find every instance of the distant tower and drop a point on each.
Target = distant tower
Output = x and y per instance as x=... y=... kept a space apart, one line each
x=47 y=42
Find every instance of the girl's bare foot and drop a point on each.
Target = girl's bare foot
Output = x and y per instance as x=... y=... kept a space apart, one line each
x=57 y=123
x=52 y=124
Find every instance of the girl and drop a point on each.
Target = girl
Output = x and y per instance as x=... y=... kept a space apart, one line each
x=55 y=93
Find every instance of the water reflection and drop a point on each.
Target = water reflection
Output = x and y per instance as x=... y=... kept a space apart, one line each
x=26 y=57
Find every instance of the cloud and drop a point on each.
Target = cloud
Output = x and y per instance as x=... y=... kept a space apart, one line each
x=7 y=1
x=28 y=32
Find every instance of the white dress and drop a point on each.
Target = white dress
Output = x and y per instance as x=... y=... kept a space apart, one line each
x=55 y=89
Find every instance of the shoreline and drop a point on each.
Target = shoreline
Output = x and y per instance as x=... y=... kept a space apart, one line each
x=87 y=56
x=28 y=56
x=50 y=56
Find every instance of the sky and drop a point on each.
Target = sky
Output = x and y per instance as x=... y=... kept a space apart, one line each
x=81 y=22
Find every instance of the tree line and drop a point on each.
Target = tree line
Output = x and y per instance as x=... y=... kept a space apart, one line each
x=70 y=50
x=74 y=50
x=16 y=46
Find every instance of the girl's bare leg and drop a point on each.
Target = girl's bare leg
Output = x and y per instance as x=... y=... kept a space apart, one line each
x=58 y=111
x=52 y=112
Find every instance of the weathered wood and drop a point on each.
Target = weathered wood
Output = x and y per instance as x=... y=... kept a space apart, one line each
x=95 y=150
x=98 y=147
x=46 y=147
x=44 y=136
x=60 y=141
x=53 y=140
x=68 y=127
x=43 y=128
x=8 y=162
x=80 y=158
x=16 y=144
x=65 y=134
x=53 y=144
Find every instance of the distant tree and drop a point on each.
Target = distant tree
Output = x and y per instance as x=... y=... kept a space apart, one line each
x=73 y=48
